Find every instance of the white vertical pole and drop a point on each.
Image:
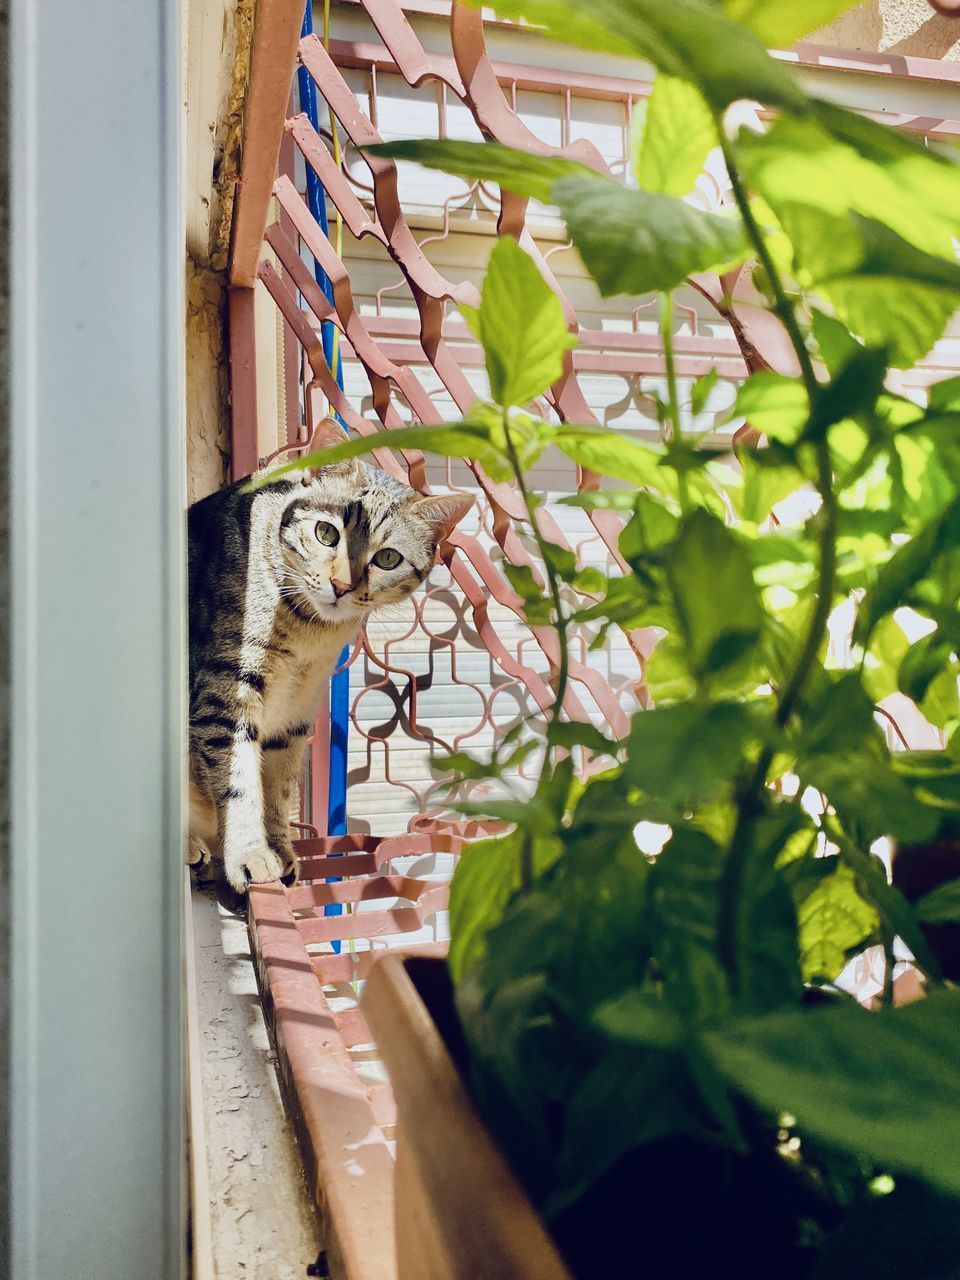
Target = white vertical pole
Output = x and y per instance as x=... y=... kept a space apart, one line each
x=96 y=451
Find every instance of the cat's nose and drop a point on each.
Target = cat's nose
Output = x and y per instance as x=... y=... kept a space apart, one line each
x=339 y=588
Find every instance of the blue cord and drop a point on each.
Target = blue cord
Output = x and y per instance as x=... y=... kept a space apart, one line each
x=340 y=682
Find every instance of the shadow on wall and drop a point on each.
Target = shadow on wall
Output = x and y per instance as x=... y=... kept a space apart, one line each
x=907 y=27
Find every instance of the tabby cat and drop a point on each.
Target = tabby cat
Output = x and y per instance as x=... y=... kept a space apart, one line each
x=280 y=580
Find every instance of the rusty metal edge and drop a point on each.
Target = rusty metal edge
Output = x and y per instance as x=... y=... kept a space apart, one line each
x=347 y=1162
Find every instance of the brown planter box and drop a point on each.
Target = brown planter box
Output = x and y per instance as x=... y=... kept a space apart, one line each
x=460 y=1212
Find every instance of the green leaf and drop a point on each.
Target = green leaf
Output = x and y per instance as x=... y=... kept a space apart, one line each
x=921 y=665
x=678 y=133
x=691 y=39
x=889 y=901
x=781 y=23
x=841 y=1072
x=774 y=404
x=687 y=754
x=941 y=703
x=836 y=716
x=840 y=162
x=700 y=393
x=522 y=327
x=946 y=395
x=610 y=454
x=837 y=344
x=683 y=895
x=487 y=876
x=714 y=594
x=870 y=798
x=513 y=169
x=884 y=289
x=940 y=905
x=635 y=1017
x=906 y=567
x=578 y=733
x=854 y=389
x=765 y=486
x=636 y=242
x=521 y=578
x=470 y=438
x=833 y=919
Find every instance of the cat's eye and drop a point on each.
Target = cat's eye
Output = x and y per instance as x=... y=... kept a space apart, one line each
x=327 y=533
x=386 y=558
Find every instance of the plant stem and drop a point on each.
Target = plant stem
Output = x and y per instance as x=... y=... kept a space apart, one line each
x=666 y=333
x=749 y=794
x=563 y=669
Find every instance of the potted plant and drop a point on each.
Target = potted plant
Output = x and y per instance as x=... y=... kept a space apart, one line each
x=657 y=1042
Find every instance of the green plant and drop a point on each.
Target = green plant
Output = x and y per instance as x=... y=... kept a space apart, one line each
x=660 y=1039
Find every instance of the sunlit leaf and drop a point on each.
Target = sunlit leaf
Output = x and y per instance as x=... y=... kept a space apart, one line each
x=677 y=135
x=515 y=170
x=841 y=163
x=521 y=326
x=774 y=404
x=833 y=919
x=780 y=23
x=636 y=241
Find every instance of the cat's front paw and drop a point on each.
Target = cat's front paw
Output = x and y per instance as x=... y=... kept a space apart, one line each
x=257 y=866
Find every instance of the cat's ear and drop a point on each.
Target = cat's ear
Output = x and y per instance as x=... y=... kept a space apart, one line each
x=444 y=511
x=328 y=433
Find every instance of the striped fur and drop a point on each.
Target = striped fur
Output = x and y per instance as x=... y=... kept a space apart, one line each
x=271 y=607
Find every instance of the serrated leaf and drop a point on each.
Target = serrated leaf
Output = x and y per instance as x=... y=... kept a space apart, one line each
x=678 y=134
x=636 y=242
x=578 y=733
x=833 y=919
x=487 y=875
x=837 y=344
x=841 y=1072
x=522 y=327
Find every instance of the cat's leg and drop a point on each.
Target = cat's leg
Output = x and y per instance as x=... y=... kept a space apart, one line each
x=236 y=782
x=282 y=764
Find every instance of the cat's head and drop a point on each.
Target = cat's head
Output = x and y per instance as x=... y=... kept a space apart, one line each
x=353 y=539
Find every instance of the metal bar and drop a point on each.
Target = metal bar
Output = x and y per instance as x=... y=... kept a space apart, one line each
x=244 y=439
x=271 y=71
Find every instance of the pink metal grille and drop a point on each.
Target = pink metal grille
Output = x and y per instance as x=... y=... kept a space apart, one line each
x=466 y=632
